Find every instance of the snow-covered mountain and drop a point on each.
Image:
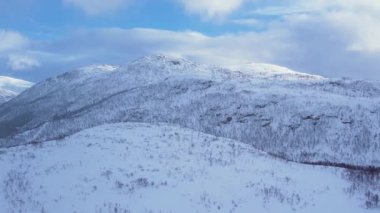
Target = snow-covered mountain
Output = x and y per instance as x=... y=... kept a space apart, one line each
x=135 y=167
x=165 y=134
x=10 y=87
x=295 y=116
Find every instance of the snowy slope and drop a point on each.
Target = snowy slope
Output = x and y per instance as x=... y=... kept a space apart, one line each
x=10 y=87
x=296 y=116
x=135 y=167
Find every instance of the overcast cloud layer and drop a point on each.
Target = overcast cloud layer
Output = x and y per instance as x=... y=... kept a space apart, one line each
x=336 y=38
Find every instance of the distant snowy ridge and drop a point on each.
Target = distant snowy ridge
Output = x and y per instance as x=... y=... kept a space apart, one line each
x=300 y=117
x=10 y=87
x=6 y=95
x=271 y=71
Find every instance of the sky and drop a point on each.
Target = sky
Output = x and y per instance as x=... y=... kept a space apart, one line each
x=333 y=38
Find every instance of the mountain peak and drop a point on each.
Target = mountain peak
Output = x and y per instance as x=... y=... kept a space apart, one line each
x=162 y=59
x=250 y=70
x=99 y=67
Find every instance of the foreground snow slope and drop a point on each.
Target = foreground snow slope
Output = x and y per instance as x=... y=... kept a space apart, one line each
x=10 y=87
x=135 y=167
x=296 y=116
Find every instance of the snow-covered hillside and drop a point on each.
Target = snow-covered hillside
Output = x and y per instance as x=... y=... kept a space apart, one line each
x=295 y=116
x=135 y=167
x=10 y=87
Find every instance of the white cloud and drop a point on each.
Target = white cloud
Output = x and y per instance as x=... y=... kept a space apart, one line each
x=10 y=40
x=212 y=8
x=247 y=21
x=13 y=49
x=22 y=62
x=330 y=37
x=361 y=31
x=116 y=44
x=302 y=42
x=96 y=7
x=287 y=7
x=357 y=22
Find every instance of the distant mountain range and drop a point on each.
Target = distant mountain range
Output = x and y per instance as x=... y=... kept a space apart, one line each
x=11 y=87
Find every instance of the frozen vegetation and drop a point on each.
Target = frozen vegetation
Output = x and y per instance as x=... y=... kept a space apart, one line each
x=136 y=167
x=294 y=116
